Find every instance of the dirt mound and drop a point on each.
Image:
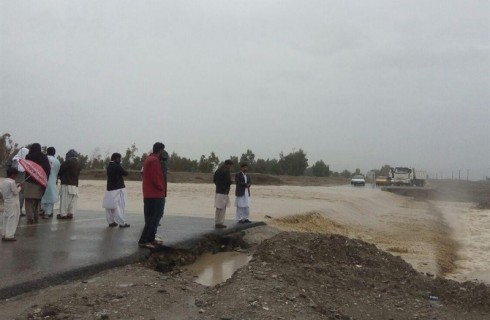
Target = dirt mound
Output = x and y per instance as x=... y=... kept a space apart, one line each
x=293 y=275
x=314 y=276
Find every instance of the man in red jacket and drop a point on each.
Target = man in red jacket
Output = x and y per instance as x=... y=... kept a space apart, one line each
x=154 y=194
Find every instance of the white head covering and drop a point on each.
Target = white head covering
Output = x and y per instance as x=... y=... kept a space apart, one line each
x=21 y=155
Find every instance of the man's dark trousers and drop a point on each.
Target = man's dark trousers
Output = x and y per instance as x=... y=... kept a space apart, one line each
x=153 y=209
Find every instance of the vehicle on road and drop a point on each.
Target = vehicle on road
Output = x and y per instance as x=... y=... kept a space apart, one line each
x=403 y=176
x=383 y=181
x=358 y=180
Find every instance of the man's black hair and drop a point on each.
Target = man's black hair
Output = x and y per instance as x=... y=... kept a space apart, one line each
x=51 y=151
x=115 y=156
x=157 y=147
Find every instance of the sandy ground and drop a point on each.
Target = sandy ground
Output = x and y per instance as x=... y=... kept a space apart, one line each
x=437 y=237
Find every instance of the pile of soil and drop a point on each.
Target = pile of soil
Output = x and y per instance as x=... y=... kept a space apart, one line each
x=292 y=275
x=312 y=276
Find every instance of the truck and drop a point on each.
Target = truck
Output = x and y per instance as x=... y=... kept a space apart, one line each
x=404 y=176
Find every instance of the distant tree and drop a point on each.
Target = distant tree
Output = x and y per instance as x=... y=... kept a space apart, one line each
x=95 y=161
x=273 y=166
x=248 y=158
x=268 y=166
x=236 y=164
x=182 y=164
x=137 y=164
x=385 y=170
x=320 y=169
x=214 y=160
x=346 y=174
x=208 y=164
x=261 y=166
x=106 y=161
x=7 y=148
x=293 y=164
x=84 y=161
x=127 y=160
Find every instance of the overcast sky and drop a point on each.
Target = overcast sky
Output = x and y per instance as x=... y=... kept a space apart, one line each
x=357 y=84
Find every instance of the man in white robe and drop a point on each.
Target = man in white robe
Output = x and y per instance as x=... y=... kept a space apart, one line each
x=21 y=154
x=68 y=174
x=11 y=211
x=51 y=195
x=242 y=193
x=222 y=180
x=116 y=196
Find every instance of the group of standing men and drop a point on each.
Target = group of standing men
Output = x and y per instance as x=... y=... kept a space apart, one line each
x=39 y=199
x=222 y=180
x=154 y=174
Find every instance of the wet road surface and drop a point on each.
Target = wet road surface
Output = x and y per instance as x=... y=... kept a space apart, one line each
x=54 y=251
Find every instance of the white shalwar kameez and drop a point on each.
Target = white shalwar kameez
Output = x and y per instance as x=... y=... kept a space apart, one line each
x=221 y=202
x=51 y=195
x=11 y=211
x=68 y=199
x=115 y=203
x=242 y=205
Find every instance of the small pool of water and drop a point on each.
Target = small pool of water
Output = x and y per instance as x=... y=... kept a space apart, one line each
x=212 y=269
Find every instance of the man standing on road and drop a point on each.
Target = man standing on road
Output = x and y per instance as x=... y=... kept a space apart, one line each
x=116 y=196
x=222 y=180
x=33 y=190
x=51 y=195
x=14 y=163
x=242 y=193
x=68 y=174
x=154 y=194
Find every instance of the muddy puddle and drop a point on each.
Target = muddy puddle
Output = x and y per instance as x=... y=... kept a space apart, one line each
x=212 y=269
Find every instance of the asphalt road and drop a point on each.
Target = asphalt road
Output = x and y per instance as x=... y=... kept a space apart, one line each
x=55 y=251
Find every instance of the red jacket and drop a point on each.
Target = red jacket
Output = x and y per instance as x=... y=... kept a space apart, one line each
x=154 y=185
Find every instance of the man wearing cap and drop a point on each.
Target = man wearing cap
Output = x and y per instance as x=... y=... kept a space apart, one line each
x=68 y=174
